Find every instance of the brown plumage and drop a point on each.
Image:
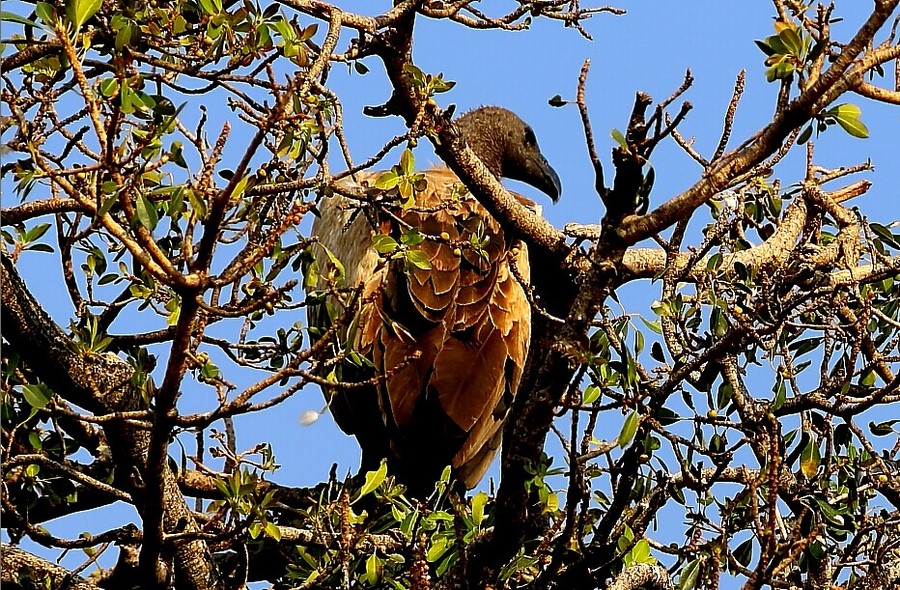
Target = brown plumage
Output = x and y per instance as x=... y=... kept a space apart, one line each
x=449 y=343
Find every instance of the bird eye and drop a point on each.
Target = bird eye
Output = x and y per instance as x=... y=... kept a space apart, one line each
x=530 y=139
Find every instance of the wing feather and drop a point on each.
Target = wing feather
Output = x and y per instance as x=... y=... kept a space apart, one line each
x=450 y=342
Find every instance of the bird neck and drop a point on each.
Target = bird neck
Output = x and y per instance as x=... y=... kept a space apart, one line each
x=480 y=132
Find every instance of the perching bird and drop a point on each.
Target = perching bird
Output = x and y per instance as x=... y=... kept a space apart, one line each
x=444 y=346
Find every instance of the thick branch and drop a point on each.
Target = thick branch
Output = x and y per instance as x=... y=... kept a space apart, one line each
x=101 y=384
x=25 y=570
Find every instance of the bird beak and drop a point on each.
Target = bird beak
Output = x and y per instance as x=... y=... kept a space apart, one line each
x=543 y=177
x=537 y=171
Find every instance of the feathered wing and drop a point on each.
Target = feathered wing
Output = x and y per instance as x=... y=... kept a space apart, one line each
x=448 y=342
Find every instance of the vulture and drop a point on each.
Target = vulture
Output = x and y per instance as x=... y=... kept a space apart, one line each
x=439 y=344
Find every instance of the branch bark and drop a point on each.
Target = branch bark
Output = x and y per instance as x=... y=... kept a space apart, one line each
x=101 y=384
x=22 y=569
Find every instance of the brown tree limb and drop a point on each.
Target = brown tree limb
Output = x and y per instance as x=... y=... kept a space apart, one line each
x=99 y=383
x=22 y=569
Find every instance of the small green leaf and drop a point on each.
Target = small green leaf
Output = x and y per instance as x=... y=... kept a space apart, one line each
x=46 y=12
x=387 y=180
x=11 y=17
x=79 y=11
x=810 y=459
x=418 y=259
x=557 y=101
x=882 y=428
x=373 y=480
x=640 y=553
x=36 y=232
x=109 y=87
x=272 y=531
x=373 y=570
x=744 y=552
x=407 y=162
x=764 y=46
x=146 y=213
x=37 y=395
x=851 y=123
x=478 y=504
x=339 y=267
x=688 y=577
x=846 y=110
x=437 y=549
x=629 y=428
x=591 y=394
x=384 y=244
x=619 y=139
x=173 y=306
x=412 y=238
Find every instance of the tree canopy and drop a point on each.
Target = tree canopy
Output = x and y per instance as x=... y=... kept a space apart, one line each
x=168 y=156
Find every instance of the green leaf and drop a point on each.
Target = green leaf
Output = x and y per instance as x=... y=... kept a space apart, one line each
x=793 y=42
x=146 y=213
x=810 y=459
x=123 y=37
x=438 y=547
x=36 y=232
x=387 y=180
x=846 y=110
x=173 y=306
x=272 y=531
x=418 y=259
x=412 y=238
x=779 y=71
x=407 y=162
x=79 y=11
x=764 y=46
x=640 y=553
x=107 y=205
x=15 y=18
x=882 y=428
x=780 y=395
x=847 y=116
x=373 y=480
x=384 y=244
x=629 y=428
x=209 y=371
x=46 y=12
x=478 y=504
x=211 y=7
x=619 y=139
x=34 y=439
x=373 y=570
x=744 y=552
x=688 y=577
x=339 y=267
x=557 y=101
x=656 y=352
x=109 y=87
x=591 y=394
x=37 y=395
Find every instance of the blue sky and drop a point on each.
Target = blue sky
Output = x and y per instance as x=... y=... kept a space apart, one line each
x=648 y=50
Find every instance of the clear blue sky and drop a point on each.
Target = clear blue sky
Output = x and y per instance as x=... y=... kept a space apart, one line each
x=648 y=50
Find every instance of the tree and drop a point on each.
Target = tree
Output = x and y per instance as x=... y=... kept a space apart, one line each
x=741 y=394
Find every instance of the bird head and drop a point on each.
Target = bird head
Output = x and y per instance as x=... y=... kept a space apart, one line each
x=508 y=148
